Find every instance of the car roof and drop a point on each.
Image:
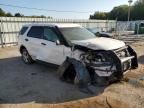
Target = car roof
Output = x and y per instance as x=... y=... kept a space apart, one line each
x=60 y=25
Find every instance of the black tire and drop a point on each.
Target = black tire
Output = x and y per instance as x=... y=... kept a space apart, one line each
x=26 y=57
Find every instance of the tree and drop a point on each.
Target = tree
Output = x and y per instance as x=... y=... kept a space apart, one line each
x=9 y=14
x=138 y=10
x=42 y=16
x=120 y=13
x=99 y=15
x=18 y=15
x=2 y=13
x=50 y=17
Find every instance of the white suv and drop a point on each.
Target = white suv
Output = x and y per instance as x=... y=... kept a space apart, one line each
x=53 y=43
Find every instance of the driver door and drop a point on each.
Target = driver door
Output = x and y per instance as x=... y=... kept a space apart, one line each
x=49 y=51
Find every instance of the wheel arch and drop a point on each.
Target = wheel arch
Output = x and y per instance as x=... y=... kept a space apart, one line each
x=21 y=48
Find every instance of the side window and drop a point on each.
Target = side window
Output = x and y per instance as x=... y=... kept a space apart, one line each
x=35 y=32
x=50 y=35
x=23 y=30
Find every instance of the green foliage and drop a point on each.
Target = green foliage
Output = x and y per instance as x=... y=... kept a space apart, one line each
x=9 y=14
x=99 y=15
x=121 y=12
x=18 y=15
x=138 y=10
x=42 y=16
x=4 y=14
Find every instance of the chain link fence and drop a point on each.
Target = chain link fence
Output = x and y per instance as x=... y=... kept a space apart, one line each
x=130 y=32
x=126 y=28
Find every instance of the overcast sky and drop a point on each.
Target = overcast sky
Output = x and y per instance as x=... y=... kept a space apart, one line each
x=62 y=5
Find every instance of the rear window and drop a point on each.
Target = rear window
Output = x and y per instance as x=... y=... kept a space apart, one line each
x=36 y=32
x=23 y=30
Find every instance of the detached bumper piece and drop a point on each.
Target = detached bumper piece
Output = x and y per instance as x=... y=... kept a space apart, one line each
x=134 y=61
x=74 y=71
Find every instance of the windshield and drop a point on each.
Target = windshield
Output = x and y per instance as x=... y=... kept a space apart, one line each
x=76 y=33
x=94 y=30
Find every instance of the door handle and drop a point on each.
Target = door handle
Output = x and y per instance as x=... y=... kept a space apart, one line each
x=26 y=40
x=43 y=44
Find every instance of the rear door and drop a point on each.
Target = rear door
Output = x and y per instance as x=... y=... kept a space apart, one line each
x=33 y=40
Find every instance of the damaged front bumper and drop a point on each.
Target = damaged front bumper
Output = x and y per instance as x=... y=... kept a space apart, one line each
x=129 y=60
x=124 y=59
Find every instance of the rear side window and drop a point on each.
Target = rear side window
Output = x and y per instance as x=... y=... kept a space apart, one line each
x=23 y=30
x=36 y=32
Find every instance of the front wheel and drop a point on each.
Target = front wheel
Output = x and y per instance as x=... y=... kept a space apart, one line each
x=26 y=57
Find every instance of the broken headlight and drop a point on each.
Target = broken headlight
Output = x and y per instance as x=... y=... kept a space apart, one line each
x=101 y=62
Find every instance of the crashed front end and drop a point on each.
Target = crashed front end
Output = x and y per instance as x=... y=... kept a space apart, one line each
x=112 y=63
x=98 y=67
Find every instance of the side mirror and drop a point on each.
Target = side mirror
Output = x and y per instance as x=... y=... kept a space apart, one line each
x=57 y=42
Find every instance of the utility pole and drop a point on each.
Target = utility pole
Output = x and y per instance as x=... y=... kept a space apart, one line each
x=129 y=13
x=1 y=38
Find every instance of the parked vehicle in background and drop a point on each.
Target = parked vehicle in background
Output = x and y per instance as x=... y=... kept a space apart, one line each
x=98 y=32
x=83 y=57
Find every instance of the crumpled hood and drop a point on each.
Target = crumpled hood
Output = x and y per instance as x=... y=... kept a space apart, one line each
x=100 y=43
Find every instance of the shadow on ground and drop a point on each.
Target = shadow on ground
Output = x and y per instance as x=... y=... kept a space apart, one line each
x=21 y=83
x=141 y=59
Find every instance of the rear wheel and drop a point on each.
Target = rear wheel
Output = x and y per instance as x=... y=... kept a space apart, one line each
x=26 y=57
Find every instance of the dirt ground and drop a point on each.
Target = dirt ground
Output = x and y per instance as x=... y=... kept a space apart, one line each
x=39 y=83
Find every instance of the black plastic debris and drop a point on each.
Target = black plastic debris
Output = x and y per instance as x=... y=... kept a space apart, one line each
x=33 y=73
x=134 y=63
x=72 y=70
